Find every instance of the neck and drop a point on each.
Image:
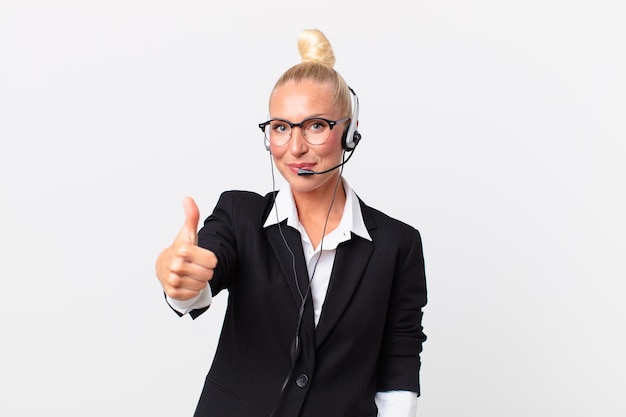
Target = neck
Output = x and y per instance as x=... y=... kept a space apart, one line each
x=320 y=199
x=313 y=209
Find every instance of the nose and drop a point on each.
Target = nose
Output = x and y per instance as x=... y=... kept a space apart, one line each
x=297 y=145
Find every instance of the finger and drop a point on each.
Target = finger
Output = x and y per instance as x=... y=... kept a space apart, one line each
x=182 y=270
x=181 y=293
x=178 y=282
x=196 y=255
x=189 y=232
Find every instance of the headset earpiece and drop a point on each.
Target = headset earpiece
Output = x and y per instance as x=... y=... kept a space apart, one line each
x=352 y=136
x=266 y=140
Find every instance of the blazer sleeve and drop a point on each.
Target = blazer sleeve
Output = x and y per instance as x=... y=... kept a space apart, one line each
x=236 y=215
x=218 y=235
x=399 y=360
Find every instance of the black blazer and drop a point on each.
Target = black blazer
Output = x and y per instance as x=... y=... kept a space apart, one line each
x=369 y=336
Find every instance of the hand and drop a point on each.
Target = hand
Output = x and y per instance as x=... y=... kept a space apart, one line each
x=184 y=268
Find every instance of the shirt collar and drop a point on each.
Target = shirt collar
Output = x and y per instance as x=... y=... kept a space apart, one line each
x=351 y=220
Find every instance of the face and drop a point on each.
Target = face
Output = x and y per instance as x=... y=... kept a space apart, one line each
x=296 y=102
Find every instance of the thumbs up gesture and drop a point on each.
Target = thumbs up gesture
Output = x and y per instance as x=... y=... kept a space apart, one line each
x=184 y=268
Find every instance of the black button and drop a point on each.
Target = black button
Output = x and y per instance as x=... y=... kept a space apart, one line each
x=302 y=380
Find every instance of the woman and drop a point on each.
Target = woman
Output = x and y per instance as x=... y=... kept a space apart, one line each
x=325 y=294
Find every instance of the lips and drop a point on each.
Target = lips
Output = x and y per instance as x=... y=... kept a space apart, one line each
x=301 y=165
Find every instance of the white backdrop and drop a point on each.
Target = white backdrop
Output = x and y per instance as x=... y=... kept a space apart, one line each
x=496 y=128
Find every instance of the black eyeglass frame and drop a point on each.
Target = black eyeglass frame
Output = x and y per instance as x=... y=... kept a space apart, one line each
x=331 y=124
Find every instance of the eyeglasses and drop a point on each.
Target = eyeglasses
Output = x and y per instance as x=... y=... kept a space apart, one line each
x=316 y=130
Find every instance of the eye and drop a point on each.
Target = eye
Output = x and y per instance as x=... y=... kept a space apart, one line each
x=279 y=126
x=316 y=125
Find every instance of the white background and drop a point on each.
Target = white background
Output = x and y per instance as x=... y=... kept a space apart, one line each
x=497 y=128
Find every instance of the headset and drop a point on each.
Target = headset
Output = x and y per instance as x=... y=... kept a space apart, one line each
x=348 y=146
x=349 y=141
x=351 y=137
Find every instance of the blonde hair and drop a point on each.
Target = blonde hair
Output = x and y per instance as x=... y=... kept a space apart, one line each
x=318 y=60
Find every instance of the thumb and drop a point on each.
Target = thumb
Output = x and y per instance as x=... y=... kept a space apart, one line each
x=189 y=231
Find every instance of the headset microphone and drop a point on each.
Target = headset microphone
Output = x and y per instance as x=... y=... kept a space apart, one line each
x=307 y=172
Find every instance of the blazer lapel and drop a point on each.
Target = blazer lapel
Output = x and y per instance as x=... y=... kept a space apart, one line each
x=351 y=259
x=289 y=258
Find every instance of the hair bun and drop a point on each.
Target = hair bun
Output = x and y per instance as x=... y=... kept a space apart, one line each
x=314 y=47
